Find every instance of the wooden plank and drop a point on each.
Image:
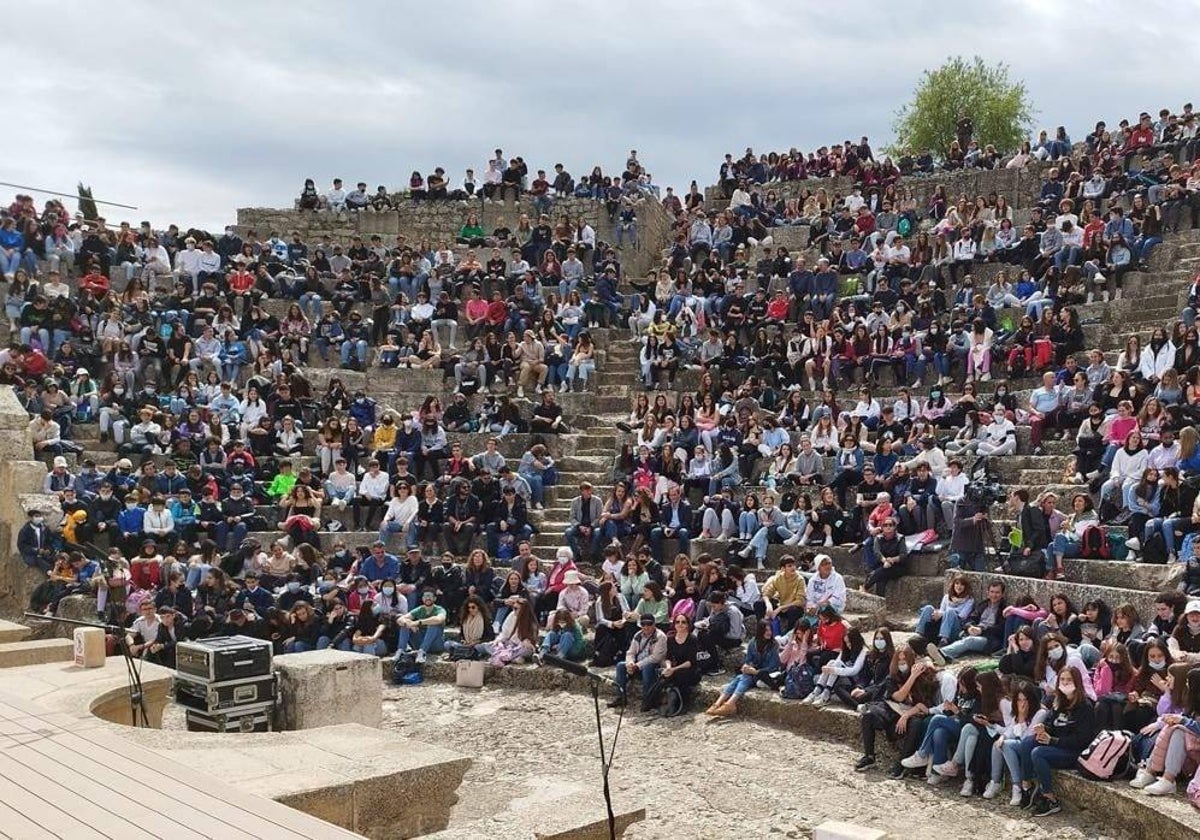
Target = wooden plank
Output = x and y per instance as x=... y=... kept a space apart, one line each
x=16 y=826
x=108 y=789
x=105 y=770
x=54 y=821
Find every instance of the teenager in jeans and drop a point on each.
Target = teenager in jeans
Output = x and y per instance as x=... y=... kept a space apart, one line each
x=1056 y=742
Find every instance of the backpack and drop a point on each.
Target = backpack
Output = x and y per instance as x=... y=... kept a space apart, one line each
x=1020 y=565
x=1187 y=551
x=1154 y=550
x=798 y=682
x=1107 y=757
x=673 y=702
x=406 y=670
x=1094 y=543
x=1117 y=548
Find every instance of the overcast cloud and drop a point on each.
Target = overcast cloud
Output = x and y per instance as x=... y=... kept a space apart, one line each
x=191 y=114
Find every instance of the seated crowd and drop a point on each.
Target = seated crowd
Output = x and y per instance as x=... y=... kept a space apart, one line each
x=762 y=452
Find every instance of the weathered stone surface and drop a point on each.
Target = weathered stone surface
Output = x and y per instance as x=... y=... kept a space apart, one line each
x=328 y=687
x=836 y=830
x=36 y=652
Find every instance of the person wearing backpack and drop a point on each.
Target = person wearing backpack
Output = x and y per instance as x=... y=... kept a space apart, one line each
x=1177 y=748
x=1057 y=741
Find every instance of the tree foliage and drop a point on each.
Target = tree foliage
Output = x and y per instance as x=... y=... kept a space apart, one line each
x=86 y=205
x=998 y=106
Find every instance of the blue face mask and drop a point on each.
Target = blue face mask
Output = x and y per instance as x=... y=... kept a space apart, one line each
x=293 y=586
x=377 y=609
x=325 y=586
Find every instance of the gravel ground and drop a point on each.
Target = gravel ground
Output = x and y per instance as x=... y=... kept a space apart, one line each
x=696 y=777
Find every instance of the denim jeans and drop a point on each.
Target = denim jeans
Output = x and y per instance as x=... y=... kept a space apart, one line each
x=358 y=348
x=739 y=685
x=649 y=673
x=941 y=732
x=195 y=574
x=965 y=645
x=761 y=537
x=949 y=629
x=387 y=529
x=537 y=491
x=1038 y=760
x=430 y=639
x=561 y=643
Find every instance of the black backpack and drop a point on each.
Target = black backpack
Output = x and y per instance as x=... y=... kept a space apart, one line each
x=404 y=665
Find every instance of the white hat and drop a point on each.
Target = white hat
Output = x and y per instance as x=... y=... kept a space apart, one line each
x=60 y=461
x=1192 y=606
x=82 y=372
x=571 y=578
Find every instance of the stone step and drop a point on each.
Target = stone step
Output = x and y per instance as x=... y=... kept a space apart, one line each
x=11 y=632
x=36 y=652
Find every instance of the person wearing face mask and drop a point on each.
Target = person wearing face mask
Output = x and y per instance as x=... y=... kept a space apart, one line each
x=1053 y=659
x=909 y=683
x=1056 y=742
x=294 y=592
x=1184 y=641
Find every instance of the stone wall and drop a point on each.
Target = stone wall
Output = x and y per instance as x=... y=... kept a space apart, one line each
x=1020 y=187
x=19 y=475
x=439 y=221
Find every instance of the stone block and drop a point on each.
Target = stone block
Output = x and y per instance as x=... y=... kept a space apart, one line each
x=77 y=607
x=328 y=687
x=11 y=632
x=836 y=830
x=36 y=652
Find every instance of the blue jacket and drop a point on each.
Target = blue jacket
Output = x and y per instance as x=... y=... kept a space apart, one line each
x=131 y=521
x=374 y=571
x=825 y=283
x=12 y=239
x=260 y=599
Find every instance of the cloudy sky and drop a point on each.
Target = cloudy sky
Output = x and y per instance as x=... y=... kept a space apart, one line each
x=191 y=114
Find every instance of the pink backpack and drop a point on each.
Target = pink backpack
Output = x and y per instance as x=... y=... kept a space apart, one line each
x=684 y=606
x=1107 y=757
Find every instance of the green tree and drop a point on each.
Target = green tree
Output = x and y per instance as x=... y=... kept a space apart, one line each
x=998 y=107
x=87 y=206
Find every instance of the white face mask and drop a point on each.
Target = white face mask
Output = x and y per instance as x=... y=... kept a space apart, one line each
x=1055 y=654
x=1157 y=665
x=880 y=644
x=902 y=668
x=1068 y=690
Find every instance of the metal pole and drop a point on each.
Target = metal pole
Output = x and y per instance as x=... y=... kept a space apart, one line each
x=64 y=195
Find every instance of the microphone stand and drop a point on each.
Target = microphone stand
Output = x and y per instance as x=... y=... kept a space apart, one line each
x=138 y=715
x=606 y=757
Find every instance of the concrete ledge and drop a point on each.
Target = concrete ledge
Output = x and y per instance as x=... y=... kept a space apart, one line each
x=36 y=652
x=581 y=821
x=1116 y=804
x=11 y=632
x=353 y=776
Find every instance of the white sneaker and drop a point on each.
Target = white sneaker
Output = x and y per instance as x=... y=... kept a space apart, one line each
x=562 y=389
x=1144 y=777
x=1160 y=788
x=811 y=698
x=1077 y=478
x=822 y=700
x=1015 y=799
x=948 y=769
x=828 y=542
x=935 y=778
x=803 y=540
x=987 y=377
x=935 y=654
x=914 y=761
x=993 y=790
x=1133 y=544
x=792 y=540
x=420 y=657
x=520 y=392
x=968 y=787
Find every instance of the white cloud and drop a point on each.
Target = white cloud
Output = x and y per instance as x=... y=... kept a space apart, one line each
x=191 y=114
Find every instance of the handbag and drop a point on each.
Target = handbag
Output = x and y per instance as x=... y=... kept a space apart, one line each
x=469 y=673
